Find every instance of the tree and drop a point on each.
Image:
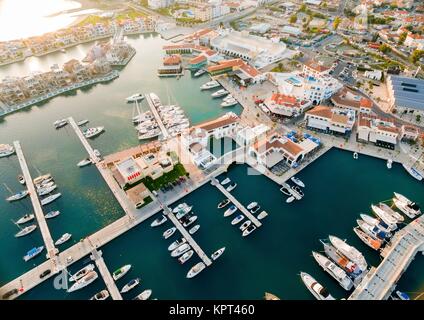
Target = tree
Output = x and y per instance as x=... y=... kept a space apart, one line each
x=418 y=118
x=336 y=22
x=416 y=55
x=293 y=19
x=302 y=8
x=384 y=48
x=402 y=38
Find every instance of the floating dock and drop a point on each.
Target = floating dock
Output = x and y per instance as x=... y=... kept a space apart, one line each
x=96 y=256
x=157 y=116
x=246 y=212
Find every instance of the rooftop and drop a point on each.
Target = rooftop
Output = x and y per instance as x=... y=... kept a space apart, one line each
x=225 y=120
x=407 y=92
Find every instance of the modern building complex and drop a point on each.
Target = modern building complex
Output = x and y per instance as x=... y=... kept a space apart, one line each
x=406 y=94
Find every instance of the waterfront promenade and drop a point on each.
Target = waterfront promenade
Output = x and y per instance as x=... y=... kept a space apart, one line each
x=96 y=255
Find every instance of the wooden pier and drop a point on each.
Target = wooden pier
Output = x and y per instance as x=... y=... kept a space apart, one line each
x=96 y=256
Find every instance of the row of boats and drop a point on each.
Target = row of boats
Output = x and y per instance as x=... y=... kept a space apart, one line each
x=64 y=122
x=228 y=99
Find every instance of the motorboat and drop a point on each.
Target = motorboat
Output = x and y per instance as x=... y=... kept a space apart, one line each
x=25 y=231
x=180 y=207
x=186 y=256
x=122 y=271
x=97 y=153
x=21 y=179
x=270 y=297
x=349 y=251
x=391 y=212
x=249 y=230
x=93 y=132
x=351 y=268
x=180 y=250
x=149 y=135
x=290 y=199
x=336 y=272
x=18 y=196
x=225 y=181
x=42 y=178
x=372 y=231
x=50 y=199
x=52 y=214
x=157 y=222
x=298 y=190
x=60 y=123
x=169 y=232
x=84 y=162
x=65 y=237
x=82 y=122
x=389 y=163
x=251 y=205
x=199 y=72
x=383 y=215
x=89 y=278
x=190 y=221
x=210 y=85
x=47 y=190
x=255 y=209
x=402 y=295
x=176 y=244
x=285 y=191
x=237 y=219
x=223 y=203
x=262 y=215
x=45 y=184
x=228 y=97
x=145 y=116
x=367 y=239
x=135 y=97
x=245 y=225
x=102 y=295
x=26 y=218
x=195 y=270
x=217 y=253
x=317 y=290
x=82 y=272
x=130 y=285
x=183 y=211
x=229 y=103
x=194 y=229
x=298 y=182
x=411 y=210
x=231 y=187
x=219 y=93
x=6 y=150
x=355 y=155
x=402 y=198
x=375 y=222
x=33 y=253
x=413 y=172
x=230 y=211
x=145 y=295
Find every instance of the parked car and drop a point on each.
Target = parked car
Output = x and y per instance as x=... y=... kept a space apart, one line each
x=10 y=293
x=45 y=273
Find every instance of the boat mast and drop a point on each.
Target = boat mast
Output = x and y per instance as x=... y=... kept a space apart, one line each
x=7 y=188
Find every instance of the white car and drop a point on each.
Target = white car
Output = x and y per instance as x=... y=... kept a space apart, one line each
x=69 y=259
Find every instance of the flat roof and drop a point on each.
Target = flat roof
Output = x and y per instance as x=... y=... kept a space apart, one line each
x=407 y=92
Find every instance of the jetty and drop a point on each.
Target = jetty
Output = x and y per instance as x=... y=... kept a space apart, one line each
x=380 y=282
x=84 y=141
x=96 y=256
x=38 y=210
x=152 y=107
x=230 y=197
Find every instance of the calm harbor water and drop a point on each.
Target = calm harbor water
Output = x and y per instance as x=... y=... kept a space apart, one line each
x=270 y=259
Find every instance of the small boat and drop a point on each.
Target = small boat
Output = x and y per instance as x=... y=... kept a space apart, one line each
x=52 y=214
x=336 y=272
x=194 y=229
x=372 y=231
x=93 y=132
x=413 y=172
x=391 y=212
x=237 y=219
x=190 y=221
x=149 y=135
x=169 y=232
x=251 y=205
x=102 y=295
x=45 y=184
x=42 y=178
x=25 y=231
x=90 y=277
x=97 y=153
x=81 y=273
x=298 y=182
x=285 y=191
x=60 y=123
x=249 y=230
x=411 y=209
x=210 y=85
x=231 y=187
x=84 y=162
x=219 y=93
x=6 y=150
x=225 y=181
x=26 y=218
x=355 y=155
x=298 y=190
x=50 y=199
x=199 y=72
x=33 y=253
x=195 y=270
x=182 y=206
x=383 y=215
x=245 y=225
x=21 y=179
x=157 y=222
x=368 y=240
x=229 y=103
x=122 y=271
x=270 y=296
x=389 y=163
x=217 y=253
x=82 y=122
x=144 y=295
x=255 y=209
x=290 y=199
x=349 y=251
x=18 y=196
x=47 y=190
x=176 y=244
x=130 y=285
x=135 y=97
x=186 y=256
x=180 y=250
x=230 y=211
x=317 y=290
x=402 y=295
x=375 y=222
x=65 y=237
x=262 y=215
x=223 y=203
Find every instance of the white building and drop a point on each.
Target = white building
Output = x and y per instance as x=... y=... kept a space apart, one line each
x=381 y=132
x=330 y=120
x=288 y=106
x=157 y=4
x=374 y=74
x=248 y=135
x=351 y=100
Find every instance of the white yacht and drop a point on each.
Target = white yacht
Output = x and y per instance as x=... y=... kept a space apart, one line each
x=411 y=210
x=144 y=295
x=383 y=215
x=82 y=122
x=210 y=85
x=186 y=256
x=231 y=187
x=84 y=162
x=249 y=230
x=130 y=285
x=298 y=182
x=229 y=103
x=349 y=251
x=26 y=218
x=245 y=225
x=18 y=196
x=390 y=211
x=180 y=250
x=194 y=229
x=375 y=222
x=102 y=295
x=225 y=181
x=190 y=221
x=6 y=150
x=157 y=222
x=81 y=273
x=89 y=278
x=230 y=211
x=149 y=135
x=262 y=215
x=60 y=123
x=50 y=199
x=21 y=179
x=219 y=93
x=195 y=270
x=217 y=253
x=199 y=72
x=169 y=232
x=135 y=97
x=251 y=205
x=65 y=237
x=93 y=132
x=413 y=172
x=52 y=214
x=389 y=163
x=237 y=219
x=120 y=272
x=47 y=190
x=176 y=244
x=317 y=290
x=25 y=231
x=336 y=272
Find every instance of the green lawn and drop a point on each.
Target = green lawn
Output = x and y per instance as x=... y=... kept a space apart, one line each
x=177 y=172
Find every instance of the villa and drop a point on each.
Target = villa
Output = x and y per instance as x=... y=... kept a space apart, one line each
x=330 y=120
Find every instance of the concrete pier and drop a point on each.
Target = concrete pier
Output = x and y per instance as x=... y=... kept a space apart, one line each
x=107 y=277
x=246 y=212
x=157 y=116
x=38 y=210
x=83 y=140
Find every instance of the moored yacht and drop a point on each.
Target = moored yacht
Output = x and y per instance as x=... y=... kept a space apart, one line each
x=229 y=103
x=383 y=215
x=135 y=97
x=262 y=215
x=285 y=190
x=367 y=239
x=190 y=221
x=217 y=253
x=195 y=270
x=50 y=199
x=26 y=218
x=144 y=295
x=18 y=196
x=349 y=251
x=82 y=122
x=251 y=205
x=33 y=253
x=43 y=179
x=130 y=285
x=231 y=187
x=411 y=209
x=93 y=132
x=298 y=182
x=194 y=229
x=398 y=217
x=210 y=85
x=413 y=172
x=6 y=150
x=52 y=214
x=230 y=211
x=169 y=232
x=336 y=272
x=372 y=231
x=176 y=244
x=102 y=295
x=21 y=179
x=249 y=230
x=81 y=273
x=219 y=93
x=375 y=222
x=390 y=211
x=225 y=181
x=199 y=72
x=47 y=190
x=317 y=290
x=180 y=250
x=122 y=271
x=343 y=262
x=186 y=256
x=389 y=163
x=60 y=123
x=25 y=231
x=255 y=209
x=65 y=237
x=223 y=203
x=84 y=281
x=157 y=222
x=237 y=219
x=84 y=162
